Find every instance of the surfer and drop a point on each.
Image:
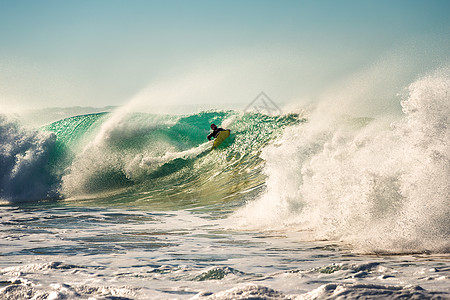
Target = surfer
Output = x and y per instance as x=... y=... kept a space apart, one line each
x=215 y=132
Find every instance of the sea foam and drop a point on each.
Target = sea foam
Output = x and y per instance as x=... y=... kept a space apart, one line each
x=24 y=163
x=378 y=184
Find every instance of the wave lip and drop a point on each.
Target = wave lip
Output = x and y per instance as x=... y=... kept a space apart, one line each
x=169 y=157
x=136 y=156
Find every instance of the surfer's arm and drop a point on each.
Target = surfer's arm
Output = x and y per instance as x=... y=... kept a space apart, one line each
x=215 y=133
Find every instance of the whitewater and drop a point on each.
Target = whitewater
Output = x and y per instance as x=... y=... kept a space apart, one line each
x=316 y=203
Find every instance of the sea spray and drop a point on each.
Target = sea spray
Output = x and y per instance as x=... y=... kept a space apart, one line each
x=128 y=147
x=379 y=185
x=26 y=172
x=141 y=157
x=167 y=158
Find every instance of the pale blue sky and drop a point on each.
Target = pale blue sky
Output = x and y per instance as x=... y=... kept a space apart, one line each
x=103 y=52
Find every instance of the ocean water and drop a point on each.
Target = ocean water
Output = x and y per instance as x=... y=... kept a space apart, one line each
x=320 y=204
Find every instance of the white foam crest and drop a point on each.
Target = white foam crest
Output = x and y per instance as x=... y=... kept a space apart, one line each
x=109 y=162
x=102 y=162
x=381 y=186
x=98 y=156
x=24 y=158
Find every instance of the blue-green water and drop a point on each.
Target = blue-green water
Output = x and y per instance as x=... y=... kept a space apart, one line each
x=124 y=205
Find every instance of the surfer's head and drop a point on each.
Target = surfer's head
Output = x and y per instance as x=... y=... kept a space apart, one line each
x=213 y=126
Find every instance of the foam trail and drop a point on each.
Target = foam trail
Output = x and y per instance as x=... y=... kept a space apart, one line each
x=380 y=185
x=145 y=163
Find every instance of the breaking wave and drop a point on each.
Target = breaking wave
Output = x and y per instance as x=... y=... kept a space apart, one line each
x=378 y=184
x=143 y=157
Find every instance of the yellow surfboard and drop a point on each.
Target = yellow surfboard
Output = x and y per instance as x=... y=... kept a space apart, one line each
x=220 y=138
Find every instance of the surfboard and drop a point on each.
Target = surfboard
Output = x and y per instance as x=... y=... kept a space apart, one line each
x=220 y=138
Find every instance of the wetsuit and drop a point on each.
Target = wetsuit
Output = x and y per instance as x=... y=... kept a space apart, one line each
x=215 y=133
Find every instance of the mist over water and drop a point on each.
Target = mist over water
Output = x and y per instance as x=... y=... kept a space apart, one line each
x=380 y=184
x=109 y=188
x=104 y=203
x=24 y=162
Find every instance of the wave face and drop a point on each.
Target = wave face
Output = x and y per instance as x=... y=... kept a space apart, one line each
x=378 y=184
x=117 y=158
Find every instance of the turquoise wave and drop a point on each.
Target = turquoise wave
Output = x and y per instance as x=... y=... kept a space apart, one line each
x=158 y=160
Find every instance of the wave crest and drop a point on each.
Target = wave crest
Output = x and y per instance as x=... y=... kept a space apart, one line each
x=25 y=163
x=378 y=185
